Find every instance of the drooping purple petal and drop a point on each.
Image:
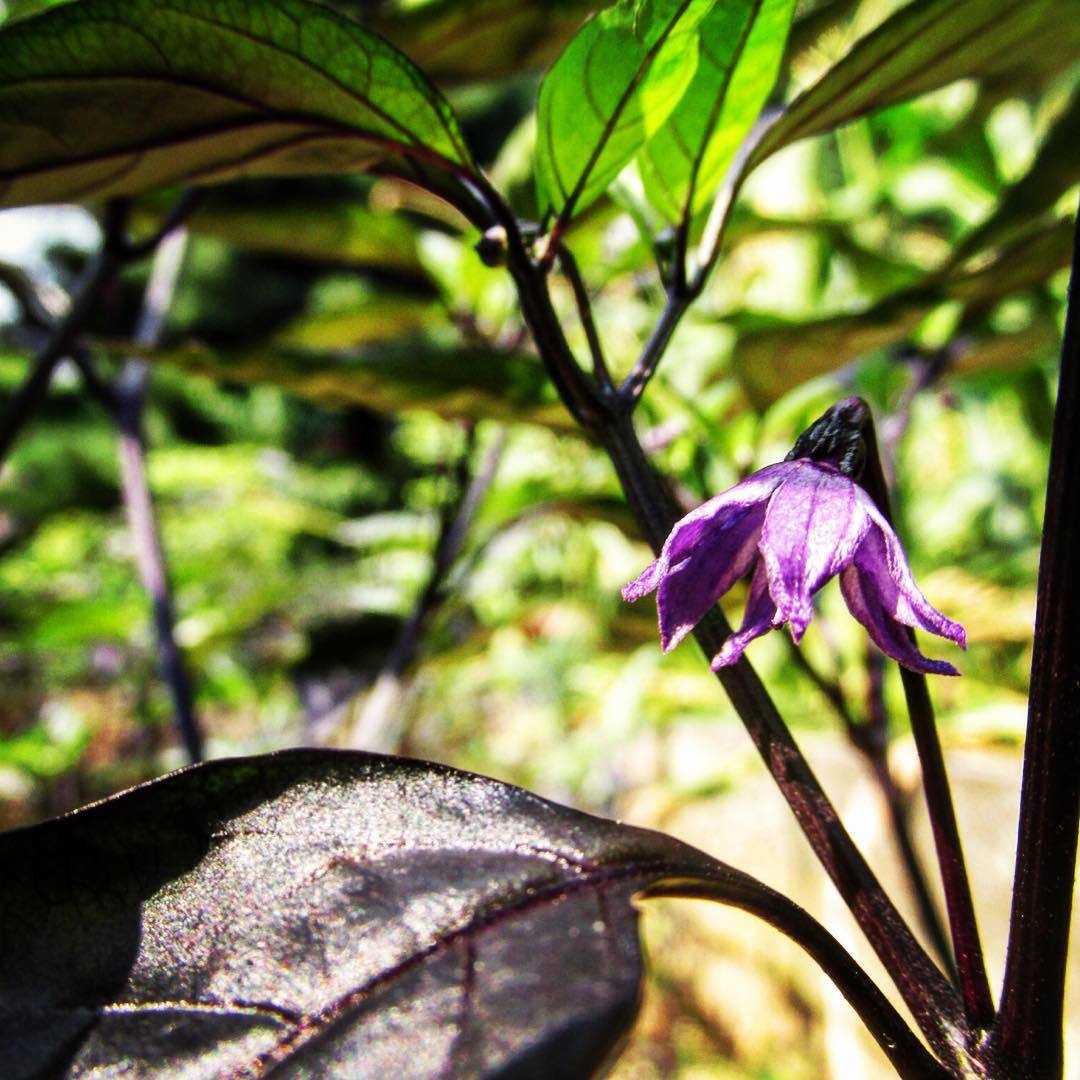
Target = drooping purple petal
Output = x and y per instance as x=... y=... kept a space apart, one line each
x=691 y=587
x=882 y=560
x=753 y=491
x=890 y=636
x=645 y=582
x=706 y=553
x=758 y=619
x=814 y=523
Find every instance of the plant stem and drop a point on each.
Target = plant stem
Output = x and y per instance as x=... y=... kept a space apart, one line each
x=870 y=739
x=928 y=994
x=932 y=1000
x=581 y=297
x=1028 y=1033
x=733 y=889
x=378 y=725
x=130 y=394
x=28 y=398
x=967 y=947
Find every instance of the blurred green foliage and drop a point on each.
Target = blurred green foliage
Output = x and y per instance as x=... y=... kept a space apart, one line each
x=334 y=348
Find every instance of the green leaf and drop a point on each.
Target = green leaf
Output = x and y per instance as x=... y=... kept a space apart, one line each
x=106 y=97
x=482 y=39
x=1056 y=168
x=418 y=371
x=335 y=228
x=741 y=46
x=771 y=360
x=612 y=88
x=926 y=45
x=324 y=913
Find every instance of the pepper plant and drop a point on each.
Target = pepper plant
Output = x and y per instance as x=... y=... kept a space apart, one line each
x=342 y=913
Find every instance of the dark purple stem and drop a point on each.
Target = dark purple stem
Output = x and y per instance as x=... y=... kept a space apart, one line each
x=928 y=994
x=933 y=1002
x=870 y=738
x=64 y=335
x=1028 y=1033
x=967 y=947
x=899 y=1044
x=130 y=398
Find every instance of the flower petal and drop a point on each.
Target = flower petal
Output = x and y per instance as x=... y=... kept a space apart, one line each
x=691 y=587
x=706 y=552
x=816 y=519
x=881 y=558
x=757 y=620
x=860 y=593
x=691 y=529
x=644 y=583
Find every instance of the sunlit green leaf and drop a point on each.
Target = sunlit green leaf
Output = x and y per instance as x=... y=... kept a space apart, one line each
x=612 y=88
x=773 y=359
x=741 y=45
x=1055 y=169
x=926 y=45
x=105 y=97
x=409 y=372
x=481 y=39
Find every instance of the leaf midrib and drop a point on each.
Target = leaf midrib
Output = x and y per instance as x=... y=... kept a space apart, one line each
x=313 y=1027
x=610 y=124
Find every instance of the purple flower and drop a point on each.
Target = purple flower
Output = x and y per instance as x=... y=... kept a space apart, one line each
x=797 y=524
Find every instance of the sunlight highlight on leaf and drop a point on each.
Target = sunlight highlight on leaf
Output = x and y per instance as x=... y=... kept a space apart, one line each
x=741 y=47
x=613 y=87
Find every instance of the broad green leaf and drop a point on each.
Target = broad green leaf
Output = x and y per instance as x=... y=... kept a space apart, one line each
x=1055 y=169
x=331 y=229
x=740 y=49
x=479 y=40
x=771 y=360
x=612 y=88
x=108 y=97
x=322 y=913
x=419 y=371
x=925 y=45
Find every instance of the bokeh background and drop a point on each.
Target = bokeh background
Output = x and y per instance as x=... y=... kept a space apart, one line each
x=341 y=376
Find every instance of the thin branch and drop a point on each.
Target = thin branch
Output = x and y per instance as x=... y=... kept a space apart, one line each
x=928 y=994
x=932 y=1000
x=643 y=370
x=967 y=947
x=581 y=296
x=130 y=394
x=41 y=305
x=734 y=889
x=1029 y=1030
x=680 y=292
x=179 y=213
x=28 y=398
x=870 y=738
x=378 y=725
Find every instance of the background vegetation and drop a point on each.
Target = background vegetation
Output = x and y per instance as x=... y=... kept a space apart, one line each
x=342 y=383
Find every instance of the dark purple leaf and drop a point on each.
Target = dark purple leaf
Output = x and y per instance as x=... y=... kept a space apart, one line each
x=342 y=914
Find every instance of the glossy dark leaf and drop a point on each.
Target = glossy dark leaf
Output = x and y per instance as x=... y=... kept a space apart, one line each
x=612 y=88
x=104 y=97
x=741 y=45
x=926 y=45
x=343 y=914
